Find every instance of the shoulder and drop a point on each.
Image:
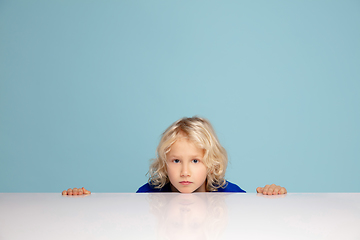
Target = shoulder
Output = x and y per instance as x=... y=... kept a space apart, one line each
x=144 y=188
x=147 y=188
x=231 y=187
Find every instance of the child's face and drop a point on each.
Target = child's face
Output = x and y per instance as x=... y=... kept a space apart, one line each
x=186 y=170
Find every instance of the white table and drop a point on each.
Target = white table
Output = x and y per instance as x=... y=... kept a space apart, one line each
x=179 y=216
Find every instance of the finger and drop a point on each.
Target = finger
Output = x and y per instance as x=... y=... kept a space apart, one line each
x=273 y=189
x=276 y=190
x=69 y=191
x=64 y=192
x=270 y=191
x=259 y=190
x=282 y=191
x=266 y=189
x=75 y=191
x=80 y=192
x=86 y=191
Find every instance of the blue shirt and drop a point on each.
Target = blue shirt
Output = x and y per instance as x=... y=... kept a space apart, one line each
x=147 y=188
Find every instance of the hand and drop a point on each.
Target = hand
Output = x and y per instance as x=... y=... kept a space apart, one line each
x=76 y=191
x=271 y=190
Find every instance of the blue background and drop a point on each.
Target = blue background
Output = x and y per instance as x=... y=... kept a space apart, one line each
x=87 y=88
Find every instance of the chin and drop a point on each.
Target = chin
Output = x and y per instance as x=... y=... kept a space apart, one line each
x=186 y=191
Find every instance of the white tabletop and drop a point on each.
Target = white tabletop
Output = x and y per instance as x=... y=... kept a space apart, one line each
x=179 y=216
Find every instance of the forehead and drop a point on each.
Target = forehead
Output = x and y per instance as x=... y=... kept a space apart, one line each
x=183 y=146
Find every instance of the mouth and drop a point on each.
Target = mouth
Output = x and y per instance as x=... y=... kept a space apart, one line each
x=185 y=182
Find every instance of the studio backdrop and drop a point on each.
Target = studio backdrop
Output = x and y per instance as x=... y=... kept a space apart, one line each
x=88 y=87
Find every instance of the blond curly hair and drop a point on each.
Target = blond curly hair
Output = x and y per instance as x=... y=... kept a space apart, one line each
x=201 y=133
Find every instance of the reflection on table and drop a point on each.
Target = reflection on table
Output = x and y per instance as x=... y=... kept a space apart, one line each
x=189 y=216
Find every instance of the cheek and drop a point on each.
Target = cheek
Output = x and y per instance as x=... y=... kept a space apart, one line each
x=202 y=172
x=170 y=171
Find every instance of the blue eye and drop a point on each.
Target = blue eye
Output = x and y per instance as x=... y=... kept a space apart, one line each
x=195 y=161
x=176 y=161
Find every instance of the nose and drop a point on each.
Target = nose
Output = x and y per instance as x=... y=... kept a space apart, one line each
x=185 y=171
